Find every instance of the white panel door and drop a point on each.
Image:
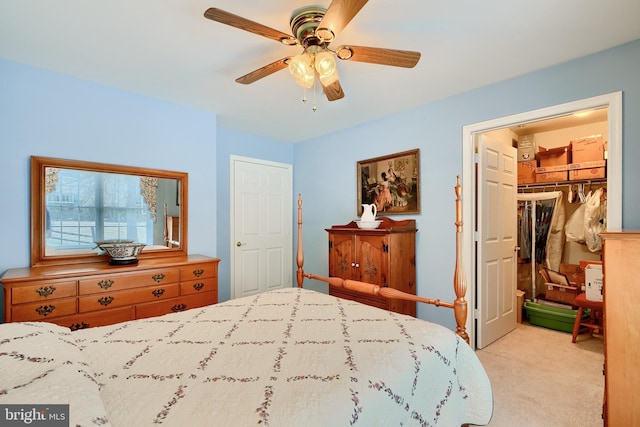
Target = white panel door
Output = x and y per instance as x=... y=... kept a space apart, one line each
x=497 y=240
x=261 y=224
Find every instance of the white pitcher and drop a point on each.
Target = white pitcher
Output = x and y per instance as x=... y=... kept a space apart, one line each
x=368 y=212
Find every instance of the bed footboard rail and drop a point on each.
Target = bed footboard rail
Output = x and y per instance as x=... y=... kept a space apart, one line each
x=383 y=291
x=459 y=305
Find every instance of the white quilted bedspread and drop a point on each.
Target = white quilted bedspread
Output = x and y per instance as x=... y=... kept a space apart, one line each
x=290 y=357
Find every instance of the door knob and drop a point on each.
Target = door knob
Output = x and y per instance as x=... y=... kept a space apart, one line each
x=238 y=244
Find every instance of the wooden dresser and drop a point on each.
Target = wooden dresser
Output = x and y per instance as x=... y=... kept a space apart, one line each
x=96 y=294
x=621 y=296
x=385 y=256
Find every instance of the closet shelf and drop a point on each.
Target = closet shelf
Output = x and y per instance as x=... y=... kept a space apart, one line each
x=560 y=183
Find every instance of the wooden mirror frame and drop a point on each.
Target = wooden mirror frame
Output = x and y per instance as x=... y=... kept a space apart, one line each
x=38 y=213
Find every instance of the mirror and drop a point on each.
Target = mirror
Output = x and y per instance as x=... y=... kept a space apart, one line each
x=76 y=203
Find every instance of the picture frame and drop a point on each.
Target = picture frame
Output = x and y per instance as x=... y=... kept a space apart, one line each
x=391 y=183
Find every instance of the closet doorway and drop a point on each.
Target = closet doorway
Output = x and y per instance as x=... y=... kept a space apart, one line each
x=471 y=204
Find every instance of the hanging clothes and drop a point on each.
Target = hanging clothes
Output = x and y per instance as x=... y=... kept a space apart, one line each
x=555 y=239
x=524 y=230
x=595 y=219
x=548 y=226
x=544 y=212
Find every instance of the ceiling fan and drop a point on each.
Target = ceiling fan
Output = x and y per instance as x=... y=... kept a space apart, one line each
x=314 y=28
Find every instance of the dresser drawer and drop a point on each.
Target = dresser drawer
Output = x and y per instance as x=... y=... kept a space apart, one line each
x=128 y=297
x=43 y=310
x=43 y=291
x=198 y=271
x=117 y=282
x=208 y=284
x=96 y=318
x=175 y=305
x=82 y=295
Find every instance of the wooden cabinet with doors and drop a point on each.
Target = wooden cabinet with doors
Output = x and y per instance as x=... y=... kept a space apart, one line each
x=385 y=256
x=621 y=297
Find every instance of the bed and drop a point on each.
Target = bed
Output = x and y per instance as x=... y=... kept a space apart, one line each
x=287 y=357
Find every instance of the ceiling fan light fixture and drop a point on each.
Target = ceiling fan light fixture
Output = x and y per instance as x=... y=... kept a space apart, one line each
x=314 y=28
x=325 y=65
x=330 y=79
x=301 y=68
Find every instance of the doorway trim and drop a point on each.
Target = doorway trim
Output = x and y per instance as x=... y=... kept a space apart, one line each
x=613 y=101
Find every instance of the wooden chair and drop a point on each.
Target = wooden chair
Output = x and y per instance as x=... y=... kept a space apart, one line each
x=593 y=323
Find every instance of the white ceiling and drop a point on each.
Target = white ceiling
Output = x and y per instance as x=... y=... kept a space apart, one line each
x=168 y=50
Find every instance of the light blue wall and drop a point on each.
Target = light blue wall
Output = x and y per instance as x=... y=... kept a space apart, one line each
x=329 y=187
x=48 y=114
x=238 y=144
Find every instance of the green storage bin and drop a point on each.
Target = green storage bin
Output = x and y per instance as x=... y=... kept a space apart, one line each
x=560 y=319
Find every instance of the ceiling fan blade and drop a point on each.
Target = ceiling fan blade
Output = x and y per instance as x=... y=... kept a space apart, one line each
x=227 y=18
x=339 y=14
x=263 y=71
x=333 y=91
x=376 y=55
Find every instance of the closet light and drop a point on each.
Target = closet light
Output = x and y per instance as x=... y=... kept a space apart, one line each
x=583 y=113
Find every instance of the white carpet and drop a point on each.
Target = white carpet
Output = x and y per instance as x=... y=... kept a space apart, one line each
x=541 y=379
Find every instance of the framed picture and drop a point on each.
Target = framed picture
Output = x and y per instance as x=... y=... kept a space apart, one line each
x=391 y=183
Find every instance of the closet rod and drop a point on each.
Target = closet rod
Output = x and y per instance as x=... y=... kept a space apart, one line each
x=562 y=183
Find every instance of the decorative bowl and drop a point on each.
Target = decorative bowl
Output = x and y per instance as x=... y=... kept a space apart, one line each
x=369 y=225
x=122 y=252
x=104 y=242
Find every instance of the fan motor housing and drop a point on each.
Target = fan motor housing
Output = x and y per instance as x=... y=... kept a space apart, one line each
x=304 y=22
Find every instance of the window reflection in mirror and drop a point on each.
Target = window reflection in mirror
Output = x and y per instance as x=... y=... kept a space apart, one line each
x=83 y=207
x=76 y=203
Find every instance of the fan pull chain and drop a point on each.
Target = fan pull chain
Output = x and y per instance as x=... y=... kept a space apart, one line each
x=304 y=97
x=315 y=104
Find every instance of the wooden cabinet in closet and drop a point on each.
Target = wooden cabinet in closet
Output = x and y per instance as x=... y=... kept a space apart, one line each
x=96 y=294
x=621 y=297
x=385 y=256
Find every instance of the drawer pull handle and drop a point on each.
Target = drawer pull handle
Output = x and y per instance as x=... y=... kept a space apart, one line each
x=158 y=277
x=45 y=310
x=45 y=291
x=178 y=307
x=105 y=284
x=158 y=292
x=198 y=286
x=198 y=272
x=78 y=326
x=106 y=300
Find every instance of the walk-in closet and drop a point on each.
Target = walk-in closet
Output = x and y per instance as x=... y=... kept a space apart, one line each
x=551 y=228
x=556 y=183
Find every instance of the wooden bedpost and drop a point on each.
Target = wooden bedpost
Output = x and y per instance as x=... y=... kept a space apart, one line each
x=459 y=277
x=300 y=251
x=459 y=306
